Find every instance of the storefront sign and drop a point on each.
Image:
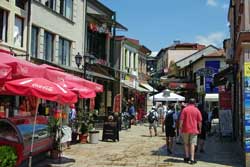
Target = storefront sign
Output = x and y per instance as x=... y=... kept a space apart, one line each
x=247 y=69
x=247 y=145
x=214 y=66
x=116 y=106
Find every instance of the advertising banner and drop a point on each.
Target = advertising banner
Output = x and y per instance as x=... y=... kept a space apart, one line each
x=116 y=106
x=213 y=66
x=247 y=105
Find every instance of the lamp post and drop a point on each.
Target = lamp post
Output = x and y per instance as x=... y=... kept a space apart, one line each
x=87 y=59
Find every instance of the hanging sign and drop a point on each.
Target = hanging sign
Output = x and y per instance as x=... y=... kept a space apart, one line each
x=116 y=106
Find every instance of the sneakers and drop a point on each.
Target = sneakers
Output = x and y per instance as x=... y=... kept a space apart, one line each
x=186 y=160
x=193 y=161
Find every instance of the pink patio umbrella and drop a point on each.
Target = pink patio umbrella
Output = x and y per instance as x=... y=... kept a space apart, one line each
x=5 y=73
x=58 y=76
x=41 y=88
x=50 y=67
x=21 y=68
x=82 y=91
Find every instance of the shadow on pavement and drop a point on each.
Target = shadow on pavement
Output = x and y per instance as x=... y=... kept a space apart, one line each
x=63 y=161
x=217 y=151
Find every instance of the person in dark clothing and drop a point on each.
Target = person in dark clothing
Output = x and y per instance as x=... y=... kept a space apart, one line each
x=202 y=135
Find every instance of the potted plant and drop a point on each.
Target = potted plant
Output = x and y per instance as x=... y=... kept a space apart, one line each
x=8 y=156
x=54 y=130
x=83 y=136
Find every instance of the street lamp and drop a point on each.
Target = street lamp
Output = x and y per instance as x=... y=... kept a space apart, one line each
x=87 y=59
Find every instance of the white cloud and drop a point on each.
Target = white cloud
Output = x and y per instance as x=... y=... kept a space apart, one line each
x=212 y=2
x=215 y=39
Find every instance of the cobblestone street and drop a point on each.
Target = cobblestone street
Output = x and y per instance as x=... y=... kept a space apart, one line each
x=137 y=149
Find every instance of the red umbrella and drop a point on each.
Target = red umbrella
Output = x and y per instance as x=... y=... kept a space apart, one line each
x=41 y=88
x=82 y=91
x=5 y=72
x=21 y=68
x=58 y=76
x=50 y=67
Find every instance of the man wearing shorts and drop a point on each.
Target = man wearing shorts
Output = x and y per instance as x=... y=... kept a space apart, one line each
x=190 y=125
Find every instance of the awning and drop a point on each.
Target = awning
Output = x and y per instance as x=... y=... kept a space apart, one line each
x=178 y=85
x=147 y=86
x=212 y=97
x=127 y=84
x=95 y=74
x=140 y=89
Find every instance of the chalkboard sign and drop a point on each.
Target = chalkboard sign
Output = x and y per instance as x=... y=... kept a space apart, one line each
x=110 y=131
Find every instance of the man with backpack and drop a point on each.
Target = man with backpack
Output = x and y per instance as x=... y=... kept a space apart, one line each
x=170 y=125
x=152 y=119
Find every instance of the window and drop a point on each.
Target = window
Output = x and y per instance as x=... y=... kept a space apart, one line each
x=20 y=3
x=64 y=51
x=96 y=44
x=18 y=32
x=48 y=46
x=34 y=41
x=3 y=25
x=51 y=4
x=66 y=8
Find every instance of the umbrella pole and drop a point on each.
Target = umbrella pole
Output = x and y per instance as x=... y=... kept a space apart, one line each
x=33 y=134
x=60 y=133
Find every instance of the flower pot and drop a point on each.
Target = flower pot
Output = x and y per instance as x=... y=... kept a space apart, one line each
x=55 y=154
x=93 y=137
x=83 y=138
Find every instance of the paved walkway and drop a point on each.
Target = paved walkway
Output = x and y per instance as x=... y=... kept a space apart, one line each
x=137 y=149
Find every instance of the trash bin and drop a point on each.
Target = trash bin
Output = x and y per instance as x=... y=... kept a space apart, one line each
x=94 y=137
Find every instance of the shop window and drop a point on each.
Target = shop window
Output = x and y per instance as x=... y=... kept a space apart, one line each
x=51 y=4
x=34 y=41
x=48 y=46
x=21 y=3
x=64 y=51
x=18 y=31
x=3 y=25
x=66 y=8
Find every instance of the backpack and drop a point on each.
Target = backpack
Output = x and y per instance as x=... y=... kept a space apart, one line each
x=169 y=120
x=151 y=117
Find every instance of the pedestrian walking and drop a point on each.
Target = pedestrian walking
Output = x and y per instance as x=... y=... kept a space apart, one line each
x=152 y=119
x=190 y=125
x=170 y=125
x=132 y=112
x=161 y=114
x=162 y=117
x=203 y=134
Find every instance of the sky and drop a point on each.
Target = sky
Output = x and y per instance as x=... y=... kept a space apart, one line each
x=157 y=23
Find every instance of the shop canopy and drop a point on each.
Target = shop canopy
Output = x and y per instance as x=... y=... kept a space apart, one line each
x=172 y=97
x=59 y=76
x=41 y=88
x=82 y=91
x=149 y=87
x=21 y=68
x=212 y=97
